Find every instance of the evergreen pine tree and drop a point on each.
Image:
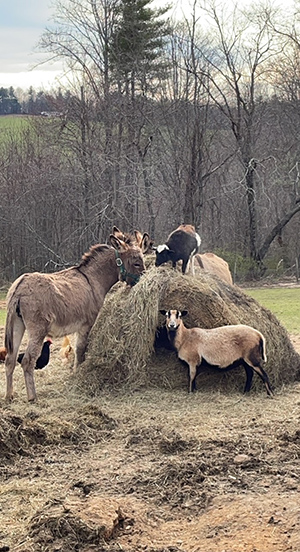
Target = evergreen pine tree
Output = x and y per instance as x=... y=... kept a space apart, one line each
x=137 y=42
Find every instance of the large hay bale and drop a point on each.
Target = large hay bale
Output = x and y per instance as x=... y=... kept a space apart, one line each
x=121 y=346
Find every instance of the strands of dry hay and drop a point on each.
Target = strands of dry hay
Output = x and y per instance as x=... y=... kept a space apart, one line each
x=121 y=345
x=121 y=341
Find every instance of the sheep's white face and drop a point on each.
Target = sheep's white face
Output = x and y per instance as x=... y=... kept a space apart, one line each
x=173 y=318
x=162 y=254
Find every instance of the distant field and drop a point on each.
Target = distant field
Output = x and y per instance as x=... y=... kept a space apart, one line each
x=11 y=126
x=13 y=122
x=283 y=302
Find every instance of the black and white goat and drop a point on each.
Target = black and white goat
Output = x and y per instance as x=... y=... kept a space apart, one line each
x=224 y=348
x=181 y=245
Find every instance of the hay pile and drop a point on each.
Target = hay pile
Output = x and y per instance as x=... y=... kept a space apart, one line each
x=121 y=347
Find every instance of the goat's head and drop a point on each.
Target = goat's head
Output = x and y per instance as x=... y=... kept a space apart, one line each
x=173 y=318
x=163 y=254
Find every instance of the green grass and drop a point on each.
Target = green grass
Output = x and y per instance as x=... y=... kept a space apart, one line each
x=12 y=128
x=13 y=122
x=2 y=311
x=283 y=302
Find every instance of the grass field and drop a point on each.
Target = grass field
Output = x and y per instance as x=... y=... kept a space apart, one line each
x=283 y=302
x=13 y=122
x=12 y=127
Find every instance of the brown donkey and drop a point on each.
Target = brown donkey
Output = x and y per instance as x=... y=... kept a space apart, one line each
x=63 y=303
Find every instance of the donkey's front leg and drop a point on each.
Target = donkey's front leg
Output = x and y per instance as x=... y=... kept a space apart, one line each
x=80 y=347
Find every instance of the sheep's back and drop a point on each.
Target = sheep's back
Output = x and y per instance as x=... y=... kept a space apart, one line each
x=222 y=346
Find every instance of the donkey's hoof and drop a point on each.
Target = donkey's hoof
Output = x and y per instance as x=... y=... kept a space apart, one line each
x=32 y=399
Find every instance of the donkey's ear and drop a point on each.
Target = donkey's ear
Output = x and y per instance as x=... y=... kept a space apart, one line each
x=145 y=243
x=116 y=230
x=118 y=233
x=138 y=236
x=116 y=242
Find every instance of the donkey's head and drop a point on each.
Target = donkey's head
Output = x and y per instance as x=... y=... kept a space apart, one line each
x=129 y=259
x=137 y=238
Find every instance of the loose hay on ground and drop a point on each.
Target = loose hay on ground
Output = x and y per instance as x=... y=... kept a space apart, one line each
x=121 y=347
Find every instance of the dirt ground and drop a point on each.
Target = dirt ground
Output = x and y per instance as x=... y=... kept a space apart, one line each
x=149 y=470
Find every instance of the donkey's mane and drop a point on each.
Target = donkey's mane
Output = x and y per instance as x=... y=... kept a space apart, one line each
x=92 y=252
x=130 y=239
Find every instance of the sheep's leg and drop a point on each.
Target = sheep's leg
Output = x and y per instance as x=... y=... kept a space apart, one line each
x=11 y=358
x=265 y=378
x=192 y=265
x=184 y=265
x=191 y=262
x=249 y=376
x=80 y=347
x=32 y=353
x=192 y=377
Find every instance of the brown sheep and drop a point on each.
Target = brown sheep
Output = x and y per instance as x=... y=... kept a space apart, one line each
x=224 y=348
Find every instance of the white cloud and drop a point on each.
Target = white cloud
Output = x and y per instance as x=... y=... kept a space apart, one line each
x=19 y=54
x=37 y=79
x=21 y=26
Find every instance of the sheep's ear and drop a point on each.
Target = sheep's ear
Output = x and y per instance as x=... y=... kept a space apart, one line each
x=184 y=313
x=164 y=312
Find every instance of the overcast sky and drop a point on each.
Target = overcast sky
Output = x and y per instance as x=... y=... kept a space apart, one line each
x=21 y=24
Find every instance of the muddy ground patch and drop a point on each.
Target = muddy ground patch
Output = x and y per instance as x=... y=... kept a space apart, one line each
x=148 y=469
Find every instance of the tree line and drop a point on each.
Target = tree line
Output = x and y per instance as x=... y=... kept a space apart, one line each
x=165 y=122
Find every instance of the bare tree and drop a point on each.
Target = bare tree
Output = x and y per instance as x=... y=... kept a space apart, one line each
x=242 y=44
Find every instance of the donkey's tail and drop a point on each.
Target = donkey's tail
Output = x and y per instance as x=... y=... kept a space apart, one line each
x=13 y=310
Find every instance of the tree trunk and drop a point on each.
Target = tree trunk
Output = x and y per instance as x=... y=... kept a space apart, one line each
x=251 y=201
x=263 y=250
x=193 y=191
